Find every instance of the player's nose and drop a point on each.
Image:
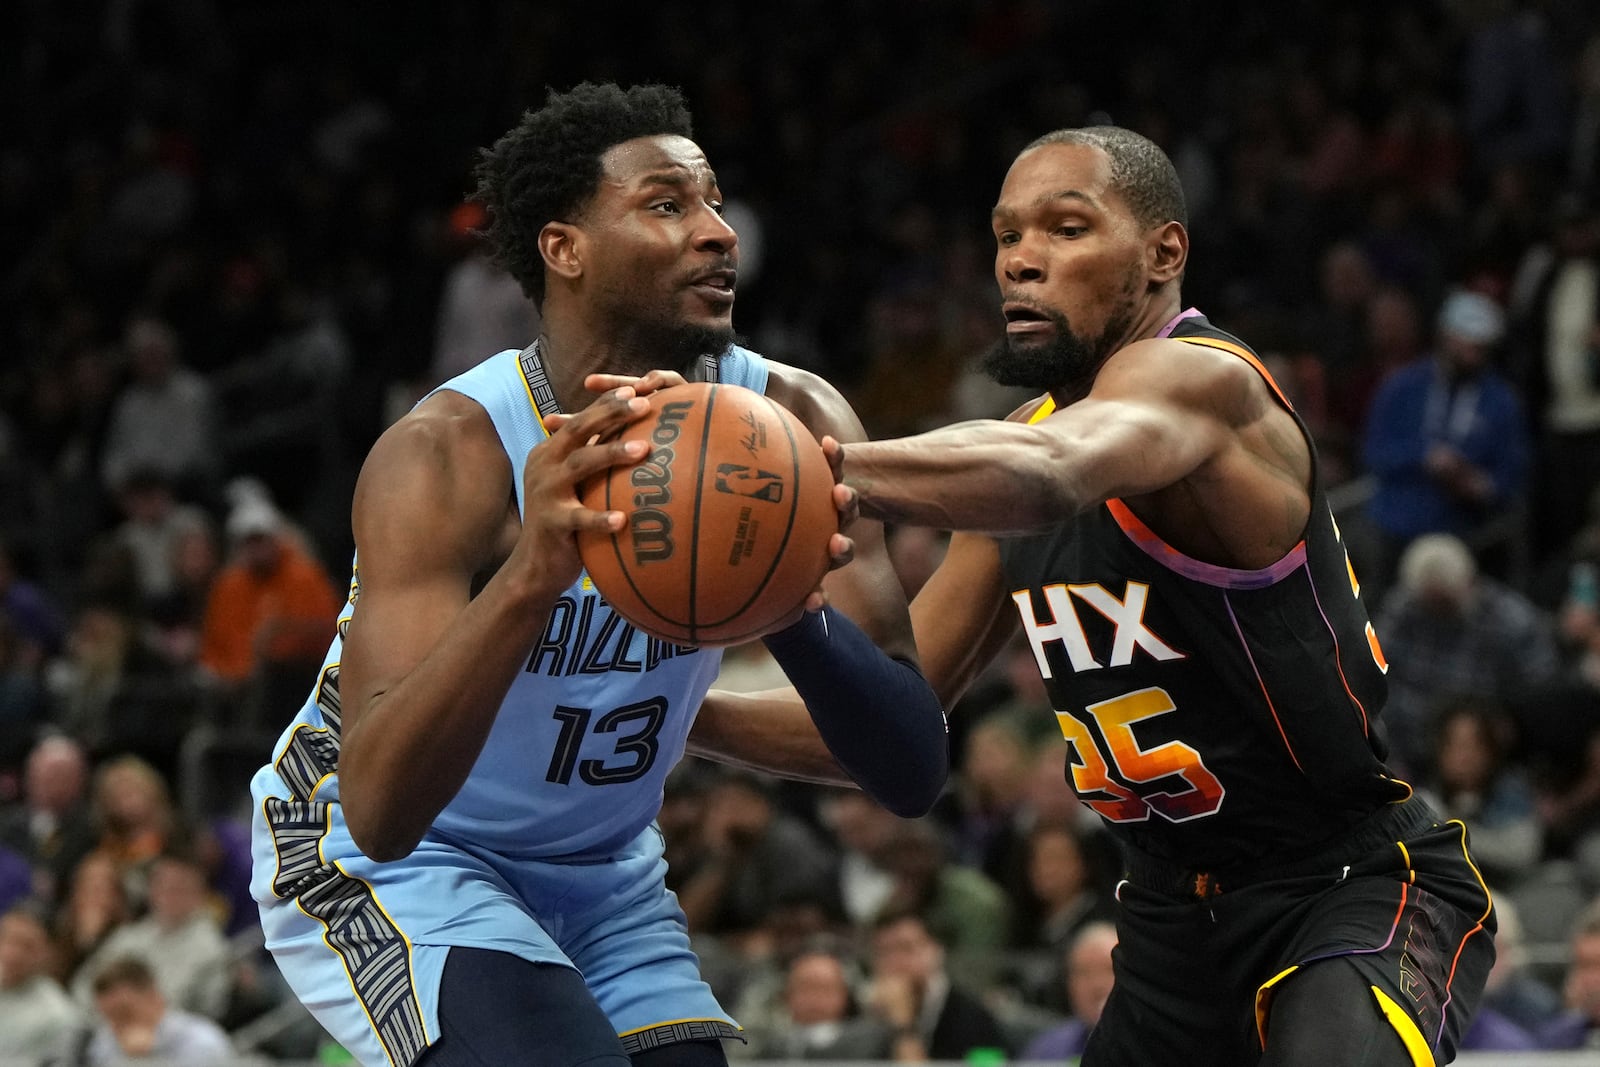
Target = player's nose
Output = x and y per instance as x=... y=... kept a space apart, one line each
x=715 y=234
x=1018 y=263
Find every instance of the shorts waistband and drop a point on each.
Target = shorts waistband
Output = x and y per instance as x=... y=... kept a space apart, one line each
x=1386 y=826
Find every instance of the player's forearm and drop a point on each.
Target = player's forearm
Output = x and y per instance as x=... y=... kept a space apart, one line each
x=769 y=731
x=436 y=719
x=993 y=477
x=877 y=715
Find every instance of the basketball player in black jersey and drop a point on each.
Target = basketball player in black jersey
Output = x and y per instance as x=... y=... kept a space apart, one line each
x=1156 y=525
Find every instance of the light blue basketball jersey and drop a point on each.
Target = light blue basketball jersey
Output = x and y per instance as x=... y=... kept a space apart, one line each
x=547 y=852
x=575 y=763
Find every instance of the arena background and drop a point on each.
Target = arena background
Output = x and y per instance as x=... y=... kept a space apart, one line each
x=273 y=194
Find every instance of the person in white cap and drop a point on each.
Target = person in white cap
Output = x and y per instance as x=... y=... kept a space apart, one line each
x=1445 y=439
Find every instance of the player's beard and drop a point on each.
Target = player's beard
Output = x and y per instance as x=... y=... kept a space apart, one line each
x=644 y=344
x=1068 y=358
x=1065 y=359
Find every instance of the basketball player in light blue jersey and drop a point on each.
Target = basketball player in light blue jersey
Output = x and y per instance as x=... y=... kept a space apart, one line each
x=455 y=855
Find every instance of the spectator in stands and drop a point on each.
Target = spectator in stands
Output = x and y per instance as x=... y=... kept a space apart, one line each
x=1448 y=631
x=154 y=522
x=1474 y=779
x=1087 y=977
x=1445 y=439
x=271 y=607
x=1579 y=1024
x=179 y=938
x=960 y=906
x=753 y=854
x=137 y=1024
x=1561 y=336
x=991 y=781
x=818 y=1017
x=176 y=619
x=113 y=691
x=96 y=906
x=135 y=820
x=162 y=420
x=911 y=991
x=37 y=1017
x=1513 y=992
x=51 y=827
x=1064 y=884
x=863 y=830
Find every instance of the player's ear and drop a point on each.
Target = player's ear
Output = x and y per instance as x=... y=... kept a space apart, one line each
x=562 y=246
x=1167 y=252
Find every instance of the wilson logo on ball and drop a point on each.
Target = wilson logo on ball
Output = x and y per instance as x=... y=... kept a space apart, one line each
x=650 y=527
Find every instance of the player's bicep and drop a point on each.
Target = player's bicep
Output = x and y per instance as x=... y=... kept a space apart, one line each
x=424 y=519
x=962 y=616
x=1121 y=448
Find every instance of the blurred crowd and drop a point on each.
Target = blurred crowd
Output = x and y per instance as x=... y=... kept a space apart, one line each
x=238 y=245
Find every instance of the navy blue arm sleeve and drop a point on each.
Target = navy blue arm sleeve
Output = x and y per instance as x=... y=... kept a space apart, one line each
x=877 y=715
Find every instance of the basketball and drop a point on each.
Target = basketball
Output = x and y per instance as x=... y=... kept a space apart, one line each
x=729 y=517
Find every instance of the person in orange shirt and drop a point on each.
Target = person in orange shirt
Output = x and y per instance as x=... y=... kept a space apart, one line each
x=271 y=606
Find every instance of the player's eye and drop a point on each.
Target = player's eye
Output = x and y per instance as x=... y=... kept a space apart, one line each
x=1070 y=230
x=715 y=205
x=1006 y=237
x=666 y=207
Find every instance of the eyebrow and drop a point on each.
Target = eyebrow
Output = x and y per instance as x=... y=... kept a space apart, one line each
x=1002 y=212
x=680 y=177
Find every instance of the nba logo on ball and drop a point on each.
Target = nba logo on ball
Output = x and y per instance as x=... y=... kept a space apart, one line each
x=729 y=517
x=741 y=480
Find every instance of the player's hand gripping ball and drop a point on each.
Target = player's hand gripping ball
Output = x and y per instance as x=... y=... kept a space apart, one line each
x=729 y=517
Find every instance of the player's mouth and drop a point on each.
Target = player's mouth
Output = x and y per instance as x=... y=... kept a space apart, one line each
x=1025 y=318
x=715 y=286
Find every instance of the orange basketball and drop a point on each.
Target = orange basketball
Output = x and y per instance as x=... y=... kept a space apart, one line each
x=728 y=517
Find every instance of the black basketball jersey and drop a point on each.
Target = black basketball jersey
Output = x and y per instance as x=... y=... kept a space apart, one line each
x=1211 y=714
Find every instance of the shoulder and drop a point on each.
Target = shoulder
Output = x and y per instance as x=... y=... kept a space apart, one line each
x=448 y=439
x=816 y=401
x=1185 y=374
x=440 y=468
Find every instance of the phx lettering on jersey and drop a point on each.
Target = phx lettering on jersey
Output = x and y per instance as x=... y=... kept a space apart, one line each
x=649 y=527
x=1062 y=624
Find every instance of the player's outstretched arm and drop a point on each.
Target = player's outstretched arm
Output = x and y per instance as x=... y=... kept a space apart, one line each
x=852 y=664
x=426 y=663
x=1158 y=411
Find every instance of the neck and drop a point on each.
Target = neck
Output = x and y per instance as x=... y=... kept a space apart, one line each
x=567 y=364
x=1161 y=309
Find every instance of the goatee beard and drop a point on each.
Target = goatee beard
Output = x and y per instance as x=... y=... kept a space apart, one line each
x=1064 y=359
x=654 y=346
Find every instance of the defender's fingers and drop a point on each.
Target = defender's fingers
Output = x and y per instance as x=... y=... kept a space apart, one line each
x=847 y=504
x=834 y=451
x=841 y=550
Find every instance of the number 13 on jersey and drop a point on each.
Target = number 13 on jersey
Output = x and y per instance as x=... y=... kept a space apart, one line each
x=1092 y=769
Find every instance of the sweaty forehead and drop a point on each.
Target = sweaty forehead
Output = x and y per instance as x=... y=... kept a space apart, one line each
x=645 y=158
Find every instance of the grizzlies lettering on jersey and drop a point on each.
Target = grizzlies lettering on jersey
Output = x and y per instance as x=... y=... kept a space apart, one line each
x=1209 y=711
x=576 y=760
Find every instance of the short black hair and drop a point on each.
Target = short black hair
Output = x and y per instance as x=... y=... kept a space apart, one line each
x=1140 y=171
x=131 y=972
x=547 y=166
